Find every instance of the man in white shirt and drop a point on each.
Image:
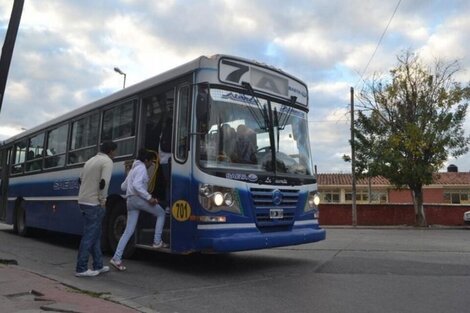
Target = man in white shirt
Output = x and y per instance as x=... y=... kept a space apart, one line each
x=94 y=184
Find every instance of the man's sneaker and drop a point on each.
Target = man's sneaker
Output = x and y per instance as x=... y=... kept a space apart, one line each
x=159 y=245
x=104 y=269
x=87 y=273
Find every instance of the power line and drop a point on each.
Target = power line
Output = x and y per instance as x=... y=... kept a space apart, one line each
x=379 y=42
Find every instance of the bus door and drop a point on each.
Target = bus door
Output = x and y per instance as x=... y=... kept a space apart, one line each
x=3 y=182
x=182 y=198
x=156 y=119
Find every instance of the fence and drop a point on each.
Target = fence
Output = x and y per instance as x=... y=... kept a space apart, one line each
x=391 y=214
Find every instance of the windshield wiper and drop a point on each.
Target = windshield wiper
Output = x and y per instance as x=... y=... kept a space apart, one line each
x=280 y=125
x=287 y=114
x=276 y=125
x=263 y=110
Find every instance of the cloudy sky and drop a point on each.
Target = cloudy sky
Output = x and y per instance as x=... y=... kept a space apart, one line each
x=66 y=51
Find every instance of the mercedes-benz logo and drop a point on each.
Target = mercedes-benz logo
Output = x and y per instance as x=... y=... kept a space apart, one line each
x=277 y=197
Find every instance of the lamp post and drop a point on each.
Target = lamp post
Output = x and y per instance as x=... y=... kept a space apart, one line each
x=117 y=70
x=8 y=45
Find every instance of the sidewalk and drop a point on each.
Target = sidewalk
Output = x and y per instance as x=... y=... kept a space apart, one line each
x=27 y=292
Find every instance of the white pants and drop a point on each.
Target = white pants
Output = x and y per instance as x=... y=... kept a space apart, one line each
x=136 y=204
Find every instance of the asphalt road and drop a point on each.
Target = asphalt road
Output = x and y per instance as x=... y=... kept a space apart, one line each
x=354 y=270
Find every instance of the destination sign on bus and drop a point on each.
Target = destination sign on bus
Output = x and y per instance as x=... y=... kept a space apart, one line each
x=262 y=79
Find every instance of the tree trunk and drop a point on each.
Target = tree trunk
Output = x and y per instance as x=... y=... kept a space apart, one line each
x=420 y=216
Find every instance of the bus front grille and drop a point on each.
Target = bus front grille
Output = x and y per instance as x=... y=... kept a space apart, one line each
x=267 y=201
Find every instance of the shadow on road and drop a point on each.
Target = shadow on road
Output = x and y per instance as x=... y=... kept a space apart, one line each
x=202 y=264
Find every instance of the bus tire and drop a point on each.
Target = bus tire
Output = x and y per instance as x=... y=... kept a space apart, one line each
x=116 y=224
x=20 y=220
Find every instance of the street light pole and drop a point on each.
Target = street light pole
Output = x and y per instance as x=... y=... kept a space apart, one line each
x=353 y=162
x=8 y=45
x=117 y=70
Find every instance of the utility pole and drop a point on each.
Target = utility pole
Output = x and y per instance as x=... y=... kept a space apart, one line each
x=353 y=162
x=8 y=45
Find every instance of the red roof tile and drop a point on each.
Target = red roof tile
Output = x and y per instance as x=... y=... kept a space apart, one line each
x=452 y=178
x=445 y=178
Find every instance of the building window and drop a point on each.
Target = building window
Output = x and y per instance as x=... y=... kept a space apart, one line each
x=456 y=196
x=331 y=196
x=362 y=196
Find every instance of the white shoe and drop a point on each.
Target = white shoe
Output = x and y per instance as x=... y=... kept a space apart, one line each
x=88 y=273
x=117 y=264
x=104 y=269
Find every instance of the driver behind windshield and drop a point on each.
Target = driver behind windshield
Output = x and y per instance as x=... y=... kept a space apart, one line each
x=245 y=149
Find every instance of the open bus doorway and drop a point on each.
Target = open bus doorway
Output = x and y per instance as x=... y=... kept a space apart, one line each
x=157 y=116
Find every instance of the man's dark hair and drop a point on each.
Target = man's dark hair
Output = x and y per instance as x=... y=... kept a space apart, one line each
x=145 y=155
x=108 y=146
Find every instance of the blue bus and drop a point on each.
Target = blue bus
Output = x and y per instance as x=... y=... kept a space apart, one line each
x=241 y=166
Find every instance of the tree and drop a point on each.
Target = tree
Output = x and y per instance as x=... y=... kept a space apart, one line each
x=409 y=124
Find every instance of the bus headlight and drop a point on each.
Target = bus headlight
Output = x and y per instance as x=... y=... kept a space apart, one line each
x=218 y=198
x=215 y=198
x=312 y=203
x=228 y=199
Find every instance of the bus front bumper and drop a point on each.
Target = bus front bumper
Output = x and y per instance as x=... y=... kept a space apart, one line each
x=212 y=241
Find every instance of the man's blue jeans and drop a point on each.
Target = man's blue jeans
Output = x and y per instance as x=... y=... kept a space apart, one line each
x=91 y=239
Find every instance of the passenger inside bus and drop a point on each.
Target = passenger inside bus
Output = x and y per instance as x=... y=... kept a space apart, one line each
x=158 y=124
x=227 y=142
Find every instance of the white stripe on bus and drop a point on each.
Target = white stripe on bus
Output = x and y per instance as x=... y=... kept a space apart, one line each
x=307 y=222
x=226 y=226
x=69 y=198
x=247 y=225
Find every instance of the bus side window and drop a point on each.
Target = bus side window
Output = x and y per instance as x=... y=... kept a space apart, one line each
x=34 y=155
x=84 y=139
x=56 y=147
x=19 y=156
x=154 y=106
x=182 y=131
x=119 y=126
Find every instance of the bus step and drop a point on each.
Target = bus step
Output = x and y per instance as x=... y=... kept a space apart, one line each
x=146 y=236
x=149 y=247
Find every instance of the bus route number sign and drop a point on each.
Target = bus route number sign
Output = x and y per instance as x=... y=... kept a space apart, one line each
x=181 y=211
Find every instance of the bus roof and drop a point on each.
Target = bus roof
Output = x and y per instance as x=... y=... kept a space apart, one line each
x=200 y=62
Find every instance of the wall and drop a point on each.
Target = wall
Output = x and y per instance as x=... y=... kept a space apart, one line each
x=391 y=214
x=430 y=195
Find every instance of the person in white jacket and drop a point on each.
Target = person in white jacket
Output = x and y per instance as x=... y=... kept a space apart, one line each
x=139 y=199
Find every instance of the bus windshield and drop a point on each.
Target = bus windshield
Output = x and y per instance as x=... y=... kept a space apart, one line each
x=243 y=131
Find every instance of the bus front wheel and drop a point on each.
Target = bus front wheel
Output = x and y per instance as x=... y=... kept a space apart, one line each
x=20 y=220
x=116 y=225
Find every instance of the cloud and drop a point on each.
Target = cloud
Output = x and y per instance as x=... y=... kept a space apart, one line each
x=66 y=50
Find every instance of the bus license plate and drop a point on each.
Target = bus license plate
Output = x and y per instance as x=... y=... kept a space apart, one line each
x=276 y=213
